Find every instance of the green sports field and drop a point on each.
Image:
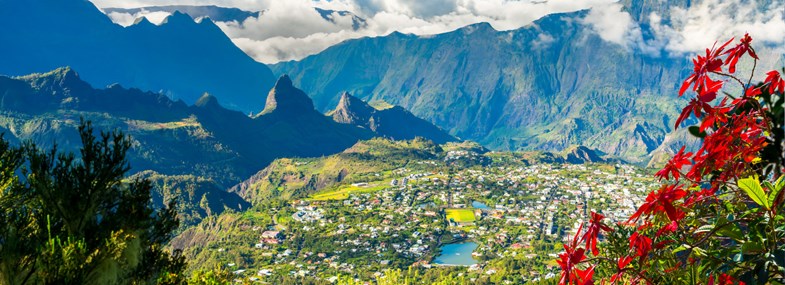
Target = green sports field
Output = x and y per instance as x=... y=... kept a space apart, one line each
x=460 y=215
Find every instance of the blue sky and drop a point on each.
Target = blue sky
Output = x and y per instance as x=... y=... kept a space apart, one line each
x=292 y=29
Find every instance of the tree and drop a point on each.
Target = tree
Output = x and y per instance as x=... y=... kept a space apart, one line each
x=718 y=217
x=69 y=220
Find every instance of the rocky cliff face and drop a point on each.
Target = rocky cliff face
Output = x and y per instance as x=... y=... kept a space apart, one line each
x=285 y=98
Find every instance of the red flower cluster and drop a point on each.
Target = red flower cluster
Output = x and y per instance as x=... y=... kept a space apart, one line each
x=621 y=264
x=674 y=166
x=737 y=52
x=641 y=244
x=593 y=231
x=775 y=82
x=662 y=201
x=574 y=255
x=734 y=132
x=703 y=66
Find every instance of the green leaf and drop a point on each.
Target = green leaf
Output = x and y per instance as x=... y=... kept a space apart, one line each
x=774 y=191
x=767 y=184
x=779 y=183
x=699 y=252
x=753 y=189
x=704 y=229
x=729 y=230
x=695 y=131
x=753 y=246
x=681 y=248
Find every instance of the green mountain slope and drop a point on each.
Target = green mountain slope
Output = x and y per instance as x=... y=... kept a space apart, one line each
x=197 y=197
x=545 y=86
x=375 y=161
x=295 y=178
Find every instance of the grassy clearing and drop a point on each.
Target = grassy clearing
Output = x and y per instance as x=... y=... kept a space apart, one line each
x=153 y=126
x=344 y=191
x=460 y=215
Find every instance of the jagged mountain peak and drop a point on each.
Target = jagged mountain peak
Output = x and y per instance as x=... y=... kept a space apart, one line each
x=393 y=122
x=352 y=110
x=287 y=98
x=149 y=57
x=59 y=80
x=283 y=82
x=581 y=154
x=207 y=101
x=142 y=22
x=60 y=74
x=177 y=18
x=481 y=26
x=216 y=13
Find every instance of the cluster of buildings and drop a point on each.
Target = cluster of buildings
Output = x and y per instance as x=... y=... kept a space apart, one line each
x=514 y=208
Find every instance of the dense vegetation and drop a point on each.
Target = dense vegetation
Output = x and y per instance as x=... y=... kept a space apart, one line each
x=69 y=219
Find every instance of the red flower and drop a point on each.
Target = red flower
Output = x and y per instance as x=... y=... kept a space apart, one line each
x=703 y=66
x=620 y=264
x=694 y=107
x=737 y=52
x=672 y=227
x=674 y=165
x=585 y=277
x=641 y=244
x=715 y=115
x=698 y=196
x=724 y=279
x=593 y=231
x=775 y=82
x=568 y=260
x=709 y=92
x=660 y=201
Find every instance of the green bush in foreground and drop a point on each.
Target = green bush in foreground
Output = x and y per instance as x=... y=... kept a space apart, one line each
x=69 y=219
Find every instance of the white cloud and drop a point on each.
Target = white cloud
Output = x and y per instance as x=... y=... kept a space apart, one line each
x=291 y=29
x=613 y=25
x=127 y=19
x=294 y=19
x=542 y=41
x=711 y=21
x=279 y=48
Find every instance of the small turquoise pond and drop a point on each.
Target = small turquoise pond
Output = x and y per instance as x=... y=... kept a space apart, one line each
x=479 y=205
x=457 y=254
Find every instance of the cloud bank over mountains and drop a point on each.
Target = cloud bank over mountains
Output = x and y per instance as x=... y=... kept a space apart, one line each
x=294 y=29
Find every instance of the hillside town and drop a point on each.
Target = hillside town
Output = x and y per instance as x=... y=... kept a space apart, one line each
x=495 y=213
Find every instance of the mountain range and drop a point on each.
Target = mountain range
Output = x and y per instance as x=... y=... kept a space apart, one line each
x=215 y=13
x=547 y=86
x=224 y=14
x=182 y=58
x=204 y=139
x=509 y=90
